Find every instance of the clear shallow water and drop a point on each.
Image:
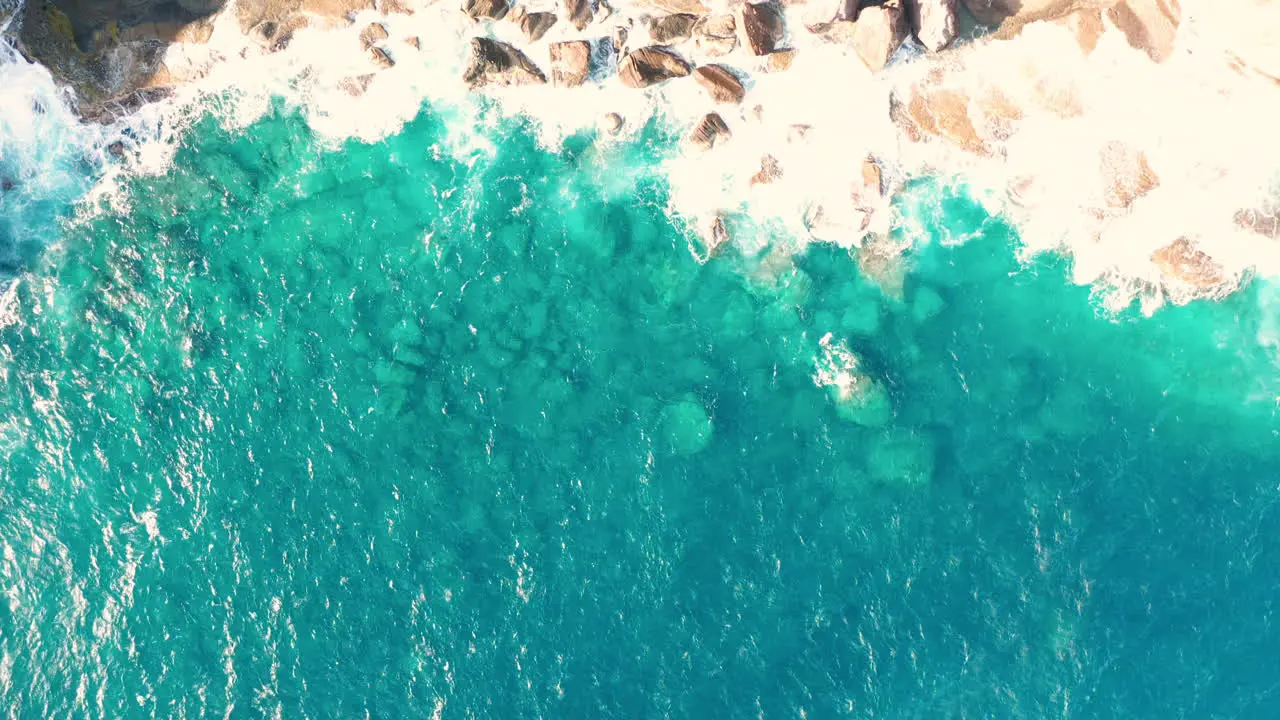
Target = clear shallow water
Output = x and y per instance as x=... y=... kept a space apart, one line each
x=380 y=432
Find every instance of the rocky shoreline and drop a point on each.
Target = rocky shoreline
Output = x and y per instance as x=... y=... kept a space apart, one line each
x=945 y=110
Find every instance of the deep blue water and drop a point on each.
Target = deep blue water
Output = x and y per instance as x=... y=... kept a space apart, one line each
x=380 y=432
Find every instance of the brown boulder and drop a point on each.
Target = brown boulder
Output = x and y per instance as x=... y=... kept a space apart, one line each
x=709 y=131
x=372 y=34
x=535 y=25
x=1128 y=175
x=716 y=35
x=486 y=9
x=877 y=34
x=570 y=63
x=379 y=57
x=497 y=63
x=762 y=25
x=1148 y=25
x=1180 y=260
x=939 y=113
x=721 y=84
x=650 y=66
x=580 y=12
x=611 y=123
x=779 y=60
x=672 y=29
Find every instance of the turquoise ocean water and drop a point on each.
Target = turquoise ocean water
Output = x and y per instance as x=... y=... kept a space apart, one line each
x=379 y=431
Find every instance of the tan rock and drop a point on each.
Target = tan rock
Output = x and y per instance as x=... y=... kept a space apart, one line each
x=1263 y=221
x=535 y=25
x=1181 y=261
x=1148 y=25
x=1127 y=173
x=499 y=64
x=779 y=60
x=649 y=66
x=770 y=170
x=372 y=34
x=762 y=26
x=938 y=113
x=672 y=29
x=394 y=7
x=878 y=32
x=709 y=131
x=356 y=86
x=720 y=83
x=716 y=35
x=872 y=177
x=413 y=42
x=1086 y=26
x=570 y=63
x=1018 y=12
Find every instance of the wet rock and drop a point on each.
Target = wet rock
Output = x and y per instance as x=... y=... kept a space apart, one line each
x=1148 y=25
x=604 y=11
x=770 y=170
x=872 y=177
x=116 y=149
x=762 y=26
x=394 y=7
x=716 y=35
x=1018 y=12
x=413 y=42
x=933 y=22
x=687 y=426
x=619 y=39
x=721 y=84
x=535 y=25
x=611 y=123
x=265 y=34
x=709 y=131
x=933 y=111
x=7 y=183
x=379 y=57
x=878 y=32
x=1085 y=26
x=1128 y=175
x=570 y=63
x=1181 y=261
x=672 y=29
x=798 y=133
x=499 y=64
x=372 y=34
x=779 y=60
x=486 y=9
x=649 y=66
x=579 y=13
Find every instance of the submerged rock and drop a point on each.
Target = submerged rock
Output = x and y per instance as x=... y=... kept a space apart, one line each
x=570 y=63
x=486 y=9
x=497 y=63
x=859 y=398
x=716 y=35
x=649 y=66
x=535 y=25
x=1181 y=261
x=903 y=457
x=672 y=29
x=687 y=426
x=763 y=26
x=933 y=22
x=709 y=131
x=1127 y=174
x=721 y=84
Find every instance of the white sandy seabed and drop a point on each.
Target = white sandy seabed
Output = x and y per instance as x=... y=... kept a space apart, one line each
x=1204 y=126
